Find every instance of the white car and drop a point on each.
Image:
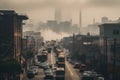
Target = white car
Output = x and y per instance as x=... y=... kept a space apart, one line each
x=100 y=78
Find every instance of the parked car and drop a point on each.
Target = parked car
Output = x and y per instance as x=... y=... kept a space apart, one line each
x=48 y=72
x=45 y=65
x=30 y=74
x=87 y=78
x=69 y=60
x=76 y=65
x=91 y=75
x=100 y=78
x=87 y=75
x=48 y=75
x=82 y=68
x=34 y=69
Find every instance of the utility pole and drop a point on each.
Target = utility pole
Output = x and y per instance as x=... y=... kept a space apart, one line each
x=114 y=60
x=106 y=57
x=73 y=50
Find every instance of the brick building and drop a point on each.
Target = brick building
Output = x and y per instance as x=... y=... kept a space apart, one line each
x=11 y=33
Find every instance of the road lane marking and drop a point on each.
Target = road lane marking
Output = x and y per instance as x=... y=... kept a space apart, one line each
x=69 y=68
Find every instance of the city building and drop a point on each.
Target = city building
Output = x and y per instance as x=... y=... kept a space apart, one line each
x=93 y=29
x=11 y=44
x=110 y=49
x=65 y=26
x=34 y=39
x=11 y=33
x=83 y=47
x=52 y=23
x=104 y=20
x=24 y=43
x=58 y=14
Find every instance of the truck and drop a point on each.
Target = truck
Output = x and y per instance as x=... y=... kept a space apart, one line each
x=61 y=60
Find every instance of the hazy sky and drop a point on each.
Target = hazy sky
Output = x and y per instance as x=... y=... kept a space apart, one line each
x=43 y=10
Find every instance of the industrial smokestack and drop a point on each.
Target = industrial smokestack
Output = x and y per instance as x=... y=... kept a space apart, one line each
x=80 y=20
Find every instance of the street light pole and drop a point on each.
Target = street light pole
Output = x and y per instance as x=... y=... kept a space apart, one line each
x=114 y=60
x=73 y=50
x=106 y=57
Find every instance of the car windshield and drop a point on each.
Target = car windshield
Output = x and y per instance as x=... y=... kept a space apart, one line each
x=59 y=72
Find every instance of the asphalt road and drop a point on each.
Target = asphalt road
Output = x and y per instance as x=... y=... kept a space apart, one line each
x=71 y=73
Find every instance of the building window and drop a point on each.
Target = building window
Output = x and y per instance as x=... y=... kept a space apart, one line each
x=116 y=32
x=1 y=18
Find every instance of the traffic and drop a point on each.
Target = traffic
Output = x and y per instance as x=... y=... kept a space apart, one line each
x=55 y=63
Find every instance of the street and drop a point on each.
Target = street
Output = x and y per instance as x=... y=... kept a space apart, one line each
x=70 y=72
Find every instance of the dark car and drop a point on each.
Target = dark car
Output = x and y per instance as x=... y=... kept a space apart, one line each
x=34 y=69
x=48 y=74
x=49 y=49
x=82 y=68
x=77 y=65
x=30 y=74
x=48 y=77
x=45 y=65
x=87 y=78
x=70 y=61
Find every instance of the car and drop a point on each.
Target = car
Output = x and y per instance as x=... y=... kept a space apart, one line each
x=82 y=68
x=87 y=73
x=71 y=61
x=34 y=69
x=48 y=72
x=94 y=74
x=100 y=78
x=40 y=65
x=45 y=65
x=49 y=75
x=30 y=74
x=87 y=78
x=76 y=65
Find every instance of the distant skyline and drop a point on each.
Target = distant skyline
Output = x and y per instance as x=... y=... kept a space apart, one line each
x=43 y=10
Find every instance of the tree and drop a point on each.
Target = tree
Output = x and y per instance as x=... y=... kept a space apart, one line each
x=9 y=68
x=10 y=65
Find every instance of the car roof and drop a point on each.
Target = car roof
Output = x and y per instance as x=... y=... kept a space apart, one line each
x=60 y=69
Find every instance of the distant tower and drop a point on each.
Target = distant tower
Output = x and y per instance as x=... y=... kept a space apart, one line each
x=71 y=21
x=58 y=14
x=80 y=20
x=93 y=20
x=104 y=20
